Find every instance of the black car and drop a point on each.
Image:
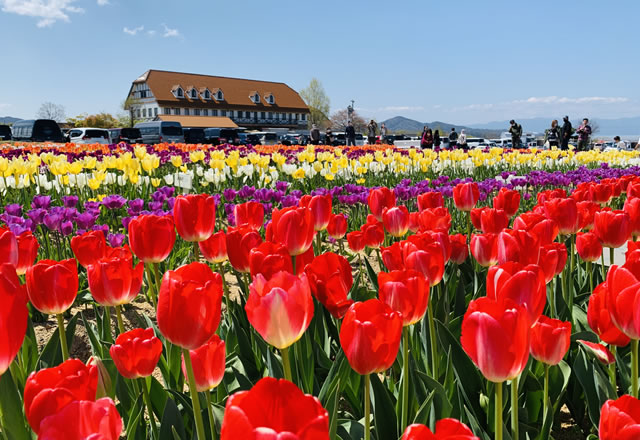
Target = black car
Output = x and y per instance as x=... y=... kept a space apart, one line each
x=217 y=136
x=253 y=139
x=5 y=133
x=194 y=135
x=391 y=138
x=129 y=135
x=37 y=130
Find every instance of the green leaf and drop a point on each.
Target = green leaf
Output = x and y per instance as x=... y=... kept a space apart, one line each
x=373 y=276
x=171 y=424
x=12 y=416
x=595 y=385
x=384 y=415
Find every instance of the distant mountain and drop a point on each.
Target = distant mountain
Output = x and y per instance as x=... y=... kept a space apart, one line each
x=8 y=120
x=606 y=127
x=400 y=124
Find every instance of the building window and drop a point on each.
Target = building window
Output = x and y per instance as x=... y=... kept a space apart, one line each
x=207 y=95
x=214 y=112
x=270 y=115
x=205 y=112
x=194 y=94
x=223 y=112
x=271 y=99
x=176 y=111
x=262 y=115
x=144 y=112
x=304 y=117
x=186 y=112
x=138 y=113
x=167 y=111
x=219 y=95
x=179 y=92
x=196 y=112
x=155 y=111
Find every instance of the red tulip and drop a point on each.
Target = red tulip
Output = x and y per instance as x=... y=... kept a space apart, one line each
x=550 y=340
x=601 y=193
x=489 y=220
x=14 y=315
x=208 y=363
x=588 y=246
x=495 y=335
x=406 y=292
x=553 y=258
x=632 y=208
x=392 y=256
x=380 y=199
x=189 y=305
x=586 y=214
x=330 y=280
x=268 y=259
x=435 y=219
x=484 y=248
x=303 y=260
x=508 y=200
x=633 y=188
x=459 y=248
x=524 y=285
x=466 y=195
x=396 y=221
x=613 y=228
x=82 y=420
x=152 y=237
x=544 y=229
x=214 y=248
x=250 y=215
x=281 y=308
x=519 y=246
x=425 y=258
x=373 y=235
x=337 y=227
x=414 y=222
x=114 y=281
x=601 y=352
x=293 y=227
x=370 y=336
x=27 y=251
x=240 y=242
x=52 y=286
x=274 y=409
x=356 y=242
x=89 y=247
x=631 y=254
x=620 y=419
x=565 y=213
x=599 y=318
x=8 y=247
x=623 y=294
x=446 y=429
x=431 y=199
x=48 y=391
x=550 y=194
x=321 y=209
x=136 y=353
x=195 y=216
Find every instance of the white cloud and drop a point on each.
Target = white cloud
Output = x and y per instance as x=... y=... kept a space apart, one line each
x=168 y=32
x=47 y=11
x=540 y=102
x=151 y=32
x=103 y=2
x=565 y=100
x=133 y=31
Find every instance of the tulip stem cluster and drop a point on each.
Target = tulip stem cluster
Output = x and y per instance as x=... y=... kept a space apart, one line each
x=634 y=368
x=63 y=337
x=147 y=401
x=432 y=336
x=212 y=422
x=367 y=407
x=515 y=428
x=612 y=370
x=498 y=411
x=405 y=376
x=152 y=291
x=545 y=405
x=197 y=414
x=286 y=364
x=119 y=318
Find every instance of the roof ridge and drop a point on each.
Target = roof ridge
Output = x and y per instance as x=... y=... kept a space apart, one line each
x=215 y=76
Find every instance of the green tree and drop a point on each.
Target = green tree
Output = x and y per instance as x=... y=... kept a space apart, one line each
x=129 y=105
x=100 y=120
x=318 y=102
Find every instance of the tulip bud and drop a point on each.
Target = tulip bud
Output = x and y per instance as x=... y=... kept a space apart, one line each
x=105 y=385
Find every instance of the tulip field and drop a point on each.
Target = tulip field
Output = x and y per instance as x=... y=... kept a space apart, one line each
x=310 y=293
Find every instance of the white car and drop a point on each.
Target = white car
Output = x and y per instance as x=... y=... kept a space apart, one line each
x=88 y=135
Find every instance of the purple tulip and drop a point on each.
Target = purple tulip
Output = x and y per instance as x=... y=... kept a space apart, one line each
x=42 y=202
x=14 y=209
x=115 y=240
x=52 y=221
x=66 y=228
x=69 y=201
x=114 y=201
x=135 y=206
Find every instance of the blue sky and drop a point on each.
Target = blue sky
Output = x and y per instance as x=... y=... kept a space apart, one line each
x=455 y=61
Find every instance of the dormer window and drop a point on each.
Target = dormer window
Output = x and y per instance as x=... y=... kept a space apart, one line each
x=194 y=94
x=270 y=98
x=219 y=96
x=178 y=92
x=207 y=94
x=255 y=98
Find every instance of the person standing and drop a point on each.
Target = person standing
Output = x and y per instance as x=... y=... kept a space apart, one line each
x=422 y=137
x=584 y=134
x=453 y=138
x=427 y=139
x=462 y=140
x=350 y=134
x=383 y=133
x=567 y=131
x=516 y=133
x=372 y=128
x=552 y=135
x=315 y=135
x=328 y=136
x=436 y=139
x=620 y=144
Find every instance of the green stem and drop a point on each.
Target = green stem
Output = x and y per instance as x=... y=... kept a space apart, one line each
x=212 y=422
x=147 y=401
x=515 y=429
x=604 y=273
x=318 y=243
x=225 y=287
x=612 y=370
x=107 y=318
x=405 y=377
x=119 y=318
x=589 y=271
x=634 y=368
x=552 y=298
x=158 y=278
x=367 y=408
x=194 y=394
x=498 y=411
x=432 y=338
x=612 y=254
x=468 y=215
x=546 y=390
x=196 y=251
x=286 y=364
x=152 y=293
x=63 y=337
x=293 y=263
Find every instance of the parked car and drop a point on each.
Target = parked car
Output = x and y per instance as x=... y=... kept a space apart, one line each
x=266 y=137
x=253 y=139
x=88 y=135
x=292 y=139
x=391 y=138
x=5 y=133
x=129 y=135
x=37 y=130
x=217 y=136
x=156 y=132
x=194 y=135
